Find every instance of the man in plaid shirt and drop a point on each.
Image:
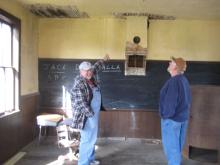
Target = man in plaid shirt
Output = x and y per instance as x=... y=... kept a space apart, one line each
x=86 y=103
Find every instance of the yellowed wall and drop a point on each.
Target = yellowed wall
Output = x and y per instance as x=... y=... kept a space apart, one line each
x=114 y=38
x=137 y=26
x=81 y=38
x=192 y=39
x=92 y=38
x=89 y=38
x=29 y=42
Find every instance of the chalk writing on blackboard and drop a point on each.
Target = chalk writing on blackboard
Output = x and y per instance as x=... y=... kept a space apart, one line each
x=56 y=76
x=54 y=67
x=55 y=72
x=112 y=68
x=76 y=67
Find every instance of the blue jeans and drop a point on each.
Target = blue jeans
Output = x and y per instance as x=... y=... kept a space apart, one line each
x=90 y=131
x=173 y=138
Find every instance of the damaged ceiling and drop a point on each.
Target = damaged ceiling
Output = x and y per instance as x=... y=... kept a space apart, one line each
x=55 y=11
x=153 y=9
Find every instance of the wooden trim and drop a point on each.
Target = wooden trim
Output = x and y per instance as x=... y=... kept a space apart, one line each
x=121 y=60
x=9 y=18
x=30 y=95
x=104 y=110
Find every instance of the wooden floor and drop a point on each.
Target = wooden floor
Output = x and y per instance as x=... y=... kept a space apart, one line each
x=109 y=152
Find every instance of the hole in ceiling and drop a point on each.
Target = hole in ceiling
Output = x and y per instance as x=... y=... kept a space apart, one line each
x=54 y=11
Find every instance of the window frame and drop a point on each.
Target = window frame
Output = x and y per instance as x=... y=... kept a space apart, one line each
x=15 y=24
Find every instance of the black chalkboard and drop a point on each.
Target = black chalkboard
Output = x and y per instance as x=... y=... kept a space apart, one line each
x=56 y=78
x=132 y=92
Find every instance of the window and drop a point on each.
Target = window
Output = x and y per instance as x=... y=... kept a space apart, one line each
x=135 y=58
x=9 y=63
x=136 y=61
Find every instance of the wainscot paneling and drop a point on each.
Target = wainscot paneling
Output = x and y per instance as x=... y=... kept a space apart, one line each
x=123 y=123
x=204 y=125
x=18 y=129
x=130 y=124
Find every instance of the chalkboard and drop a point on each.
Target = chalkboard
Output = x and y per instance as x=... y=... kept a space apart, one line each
x=132 y=92
x=56 y=77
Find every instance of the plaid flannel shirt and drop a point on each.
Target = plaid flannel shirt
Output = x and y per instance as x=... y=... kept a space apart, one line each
x=81 y=96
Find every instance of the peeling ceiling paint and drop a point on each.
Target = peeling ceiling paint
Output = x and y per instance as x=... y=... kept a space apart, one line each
x=180 y=9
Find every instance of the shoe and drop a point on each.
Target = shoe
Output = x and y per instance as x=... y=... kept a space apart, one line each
x=95 y=162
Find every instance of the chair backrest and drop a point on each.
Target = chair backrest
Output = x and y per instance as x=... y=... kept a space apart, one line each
x=68 y=112
x=67 y=137
x=67 y=104
x=62 y=136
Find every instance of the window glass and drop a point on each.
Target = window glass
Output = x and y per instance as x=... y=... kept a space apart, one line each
x=2 y=89
x=9 y=87
x=6 y=45
x=9 y=63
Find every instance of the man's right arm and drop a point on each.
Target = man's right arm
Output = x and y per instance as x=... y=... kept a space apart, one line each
x=99 y=65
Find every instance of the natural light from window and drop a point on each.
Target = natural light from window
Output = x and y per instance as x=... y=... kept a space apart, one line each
x=9 y=68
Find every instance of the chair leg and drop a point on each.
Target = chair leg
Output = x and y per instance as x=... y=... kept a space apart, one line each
x=45 y=131
x=39 y=136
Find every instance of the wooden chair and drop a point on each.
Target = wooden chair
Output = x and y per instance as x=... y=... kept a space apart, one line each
x=68 y=137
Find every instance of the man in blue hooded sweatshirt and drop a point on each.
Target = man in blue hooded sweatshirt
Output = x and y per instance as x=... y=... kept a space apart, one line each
x=174 y=106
